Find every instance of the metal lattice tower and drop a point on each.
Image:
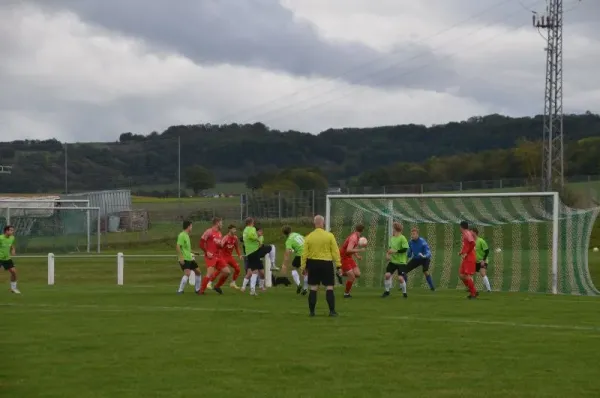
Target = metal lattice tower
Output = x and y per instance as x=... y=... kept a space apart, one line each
x=553 y=163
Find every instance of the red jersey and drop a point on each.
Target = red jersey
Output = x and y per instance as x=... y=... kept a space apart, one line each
x=230 y=242
x=350 y=243
x=211 y=242
x=468 y=245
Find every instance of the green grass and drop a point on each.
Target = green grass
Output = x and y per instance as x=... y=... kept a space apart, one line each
x=86 y=337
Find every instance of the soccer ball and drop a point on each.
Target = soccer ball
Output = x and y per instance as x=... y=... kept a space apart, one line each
x=362 y=241
x=498 y=250
x=595 y=249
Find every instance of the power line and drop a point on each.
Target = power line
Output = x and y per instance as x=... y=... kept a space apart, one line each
x=420 y=68
x=363 y=65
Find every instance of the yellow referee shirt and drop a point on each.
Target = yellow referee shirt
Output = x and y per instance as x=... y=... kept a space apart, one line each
x=320 y=245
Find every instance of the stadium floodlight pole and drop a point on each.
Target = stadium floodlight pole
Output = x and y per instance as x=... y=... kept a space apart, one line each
x=66 y=170
x=552 y=139
x=179 y=167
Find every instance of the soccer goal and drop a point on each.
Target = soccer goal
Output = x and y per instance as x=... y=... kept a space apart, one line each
x=50 y=226
x=537 y=244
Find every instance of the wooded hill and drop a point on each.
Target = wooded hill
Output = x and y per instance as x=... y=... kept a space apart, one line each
x=235 y=152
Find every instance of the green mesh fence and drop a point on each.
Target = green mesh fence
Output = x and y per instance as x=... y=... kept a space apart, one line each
x=518 y=229
x=52 y=230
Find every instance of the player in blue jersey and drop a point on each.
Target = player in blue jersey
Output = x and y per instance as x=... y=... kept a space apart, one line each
x=420 y=256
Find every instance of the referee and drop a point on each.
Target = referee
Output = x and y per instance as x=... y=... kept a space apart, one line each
x=320 y=252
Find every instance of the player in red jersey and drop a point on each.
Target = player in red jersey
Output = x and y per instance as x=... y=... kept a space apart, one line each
x=467 y=266
x=229 y=243
x=210 y=243
x=348 y=251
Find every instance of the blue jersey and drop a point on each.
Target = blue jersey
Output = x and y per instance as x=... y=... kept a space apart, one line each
x=418 y=246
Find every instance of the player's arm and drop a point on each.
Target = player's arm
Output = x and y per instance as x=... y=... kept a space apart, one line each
x=286 y=256
x=486 y=250
x=237 y=248
x=179 y=251
x=335 y=251
x=353 y=247
x=305 y=252
x=204 y=244
x=426 y=249
x=13 y=251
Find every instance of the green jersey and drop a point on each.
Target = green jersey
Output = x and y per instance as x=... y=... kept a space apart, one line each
x=480 y=247
x=399 y=243
x=6 y=242
x=251 y=240
x=295 y=243
x=183 y=241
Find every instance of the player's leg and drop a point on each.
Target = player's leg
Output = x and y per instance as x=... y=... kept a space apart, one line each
x=236 y=272
x=412 y=264
x=484 y=277
x=467 y=269
x=248 y=275
x=261 y=279
x=305 y=284
x=211 y=274
x=313 y=283
x=387 y=281
x=295 y=274
x=224 y=273
x=328 y=280
x=425 y=266
x=9 y=265
x=198 y=280
x=401 y=280
x=348 y=267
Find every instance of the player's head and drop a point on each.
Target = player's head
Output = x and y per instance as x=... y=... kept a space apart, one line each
x=414 y=233
x=359 y=228
x=319 y=221
x=464 y=225
x=231 y=229
x=397 y=227
x=249 y=222
x=259 y=230
x=475 y=231
x=217 y=222
x=286 y=230
x=9 y=230
x=187 y=226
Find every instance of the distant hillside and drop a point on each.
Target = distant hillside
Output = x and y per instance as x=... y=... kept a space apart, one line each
x=233 y=152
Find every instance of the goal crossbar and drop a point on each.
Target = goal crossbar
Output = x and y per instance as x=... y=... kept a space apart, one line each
x=554 y=196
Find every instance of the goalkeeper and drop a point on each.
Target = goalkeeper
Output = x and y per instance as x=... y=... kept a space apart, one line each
x=420 y=256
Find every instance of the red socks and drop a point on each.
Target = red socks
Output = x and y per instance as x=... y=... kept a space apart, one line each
x=205 y=281
x=236 y=273
x=469 y=283
x=221 y=280
x=348 y=286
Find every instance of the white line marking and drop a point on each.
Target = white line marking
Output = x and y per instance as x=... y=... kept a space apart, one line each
x=65 y=308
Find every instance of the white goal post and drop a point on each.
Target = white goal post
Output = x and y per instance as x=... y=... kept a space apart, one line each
x=24 y=219
x=538 y=244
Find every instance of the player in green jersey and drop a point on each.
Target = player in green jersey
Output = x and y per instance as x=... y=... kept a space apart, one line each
x=294 y=245
x=397 y=255
x=186 y=258
x=7 y=250
x=482 y=252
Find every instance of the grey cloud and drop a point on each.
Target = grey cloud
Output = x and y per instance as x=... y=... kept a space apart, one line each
x=259 y=33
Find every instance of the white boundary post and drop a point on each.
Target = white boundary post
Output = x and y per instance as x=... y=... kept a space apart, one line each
x=120 y=268
x=555 y=230
x=390 y=218
x=268 y=273
x=328 y=211
x=50 y=269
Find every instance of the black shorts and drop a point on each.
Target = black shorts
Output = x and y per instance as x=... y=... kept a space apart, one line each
x=191 y=265
x=297 y=262
x=320 y=272
x=392 y=267
x=255 y=259
x=7 y=264
x=418 y=262
x=479 y=266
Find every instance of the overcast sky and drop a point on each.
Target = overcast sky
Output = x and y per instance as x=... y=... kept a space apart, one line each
x=88 y=70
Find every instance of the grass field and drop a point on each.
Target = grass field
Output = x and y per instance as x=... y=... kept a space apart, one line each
x=91 y=339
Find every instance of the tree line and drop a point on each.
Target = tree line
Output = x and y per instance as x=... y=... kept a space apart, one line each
x=477 y=148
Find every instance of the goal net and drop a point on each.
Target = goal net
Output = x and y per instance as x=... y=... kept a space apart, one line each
x=47 y=225
x=536 y=243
